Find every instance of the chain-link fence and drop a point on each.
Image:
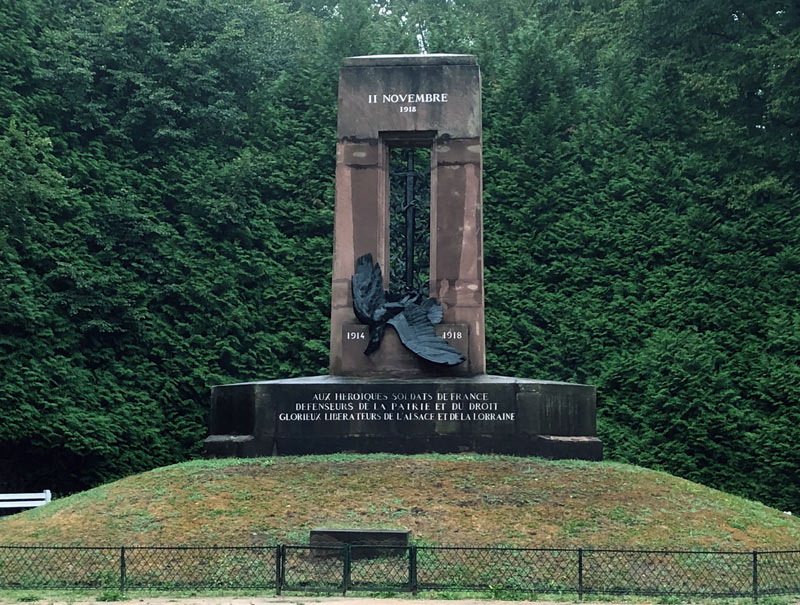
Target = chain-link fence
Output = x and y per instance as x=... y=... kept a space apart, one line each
x=411 y=568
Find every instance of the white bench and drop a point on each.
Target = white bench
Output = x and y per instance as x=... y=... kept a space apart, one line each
x=24 y=500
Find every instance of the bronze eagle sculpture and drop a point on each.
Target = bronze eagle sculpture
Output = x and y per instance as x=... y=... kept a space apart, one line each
x=412 y=317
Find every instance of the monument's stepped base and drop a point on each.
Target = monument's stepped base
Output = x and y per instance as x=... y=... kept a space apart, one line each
x=326 y=414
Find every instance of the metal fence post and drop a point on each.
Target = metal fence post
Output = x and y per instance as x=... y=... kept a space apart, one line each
x=278 y=560
x=122 y=570
x=412 y=569
x=580 y=574
x=755 y=576
x=346 y=574
x=284 y=561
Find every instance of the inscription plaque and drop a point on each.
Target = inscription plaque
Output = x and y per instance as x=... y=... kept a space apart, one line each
x=324 y=414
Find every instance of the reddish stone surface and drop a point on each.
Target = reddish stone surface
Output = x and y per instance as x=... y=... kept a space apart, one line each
x=431 y=100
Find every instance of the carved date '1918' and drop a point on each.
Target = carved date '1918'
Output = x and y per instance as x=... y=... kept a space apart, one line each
x=454 y=334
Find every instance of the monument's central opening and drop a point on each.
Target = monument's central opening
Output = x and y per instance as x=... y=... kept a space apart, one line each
x=409 y=220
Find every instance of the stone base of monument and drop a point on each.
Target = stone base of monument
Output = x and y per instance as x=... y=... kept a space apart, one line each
x=328 y=414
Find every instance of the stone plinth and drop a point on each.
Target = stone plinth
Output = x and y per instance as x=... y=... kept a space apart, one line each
x=410 y=100
x=488 y=414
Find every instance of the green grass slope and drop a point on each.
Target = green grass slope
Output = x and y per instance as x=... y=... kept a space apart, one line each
x=442 y=499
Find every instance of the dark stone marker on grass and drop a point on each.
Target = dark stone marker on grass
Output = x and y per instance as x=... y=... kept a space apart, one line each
x=366 y=543
x=408 y=194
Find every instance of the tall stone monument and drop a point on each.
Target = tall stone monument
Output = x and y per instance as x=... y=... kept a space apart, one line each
x=407 y=342
x=404 y=101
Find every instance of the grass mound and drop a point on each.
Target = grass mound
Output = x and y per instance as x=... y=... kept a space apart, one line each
x=442 y=499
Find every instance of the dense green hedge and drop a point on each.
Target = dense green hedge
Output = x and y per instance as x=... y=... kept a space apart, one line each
x=166 y=195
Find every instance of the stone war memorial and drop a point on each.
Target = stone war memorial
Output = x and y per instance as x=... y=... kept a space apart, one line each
x=407 y=340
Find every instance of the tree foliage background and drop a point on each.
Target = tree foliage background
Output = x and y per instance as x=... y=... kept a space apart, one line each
x=166 y=201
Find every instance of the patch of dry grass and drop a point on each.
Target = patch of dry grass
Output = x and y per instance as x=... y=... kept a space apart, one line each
x=455 y=499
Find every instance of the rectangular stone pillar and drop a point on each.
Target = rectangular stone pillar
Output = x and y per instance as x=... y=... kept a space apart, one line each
x=429 y=100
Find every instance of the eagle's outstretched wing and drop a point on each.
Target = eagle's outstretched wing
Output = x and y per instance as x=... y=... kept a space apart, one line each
x=417 y=333
x=413 y=322
x=433 y=310
x=369 y=298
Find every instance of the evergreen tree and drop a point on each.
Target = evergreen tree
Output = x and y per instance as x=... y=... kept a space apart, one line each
x=166 y=199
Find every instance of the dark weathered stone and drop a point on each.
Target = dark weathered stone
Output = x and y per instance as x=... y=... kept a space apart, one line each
x=368 y=543
x=405 y=60
x=253 y=431
x=457 y=76
x=555 y=408
x=327 y=414
x=559 y=447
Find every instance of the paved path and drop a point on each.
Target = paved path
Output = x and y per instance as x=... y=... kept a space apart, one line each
x=311 y=600
x=314 y=600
